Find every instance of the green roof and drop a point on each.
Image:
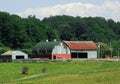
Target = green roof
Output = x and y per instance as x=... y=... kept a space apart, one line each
x=42 y=46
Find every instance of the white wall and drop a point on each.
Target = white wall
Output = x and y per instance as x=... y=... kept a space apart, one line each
x=61 y=49
x=90 y=53
x=19 y=53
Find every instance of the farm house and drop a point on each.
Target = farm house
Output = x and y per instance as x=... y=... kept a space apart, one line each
x=82 y=49
x=12 y=55
x=51 y=50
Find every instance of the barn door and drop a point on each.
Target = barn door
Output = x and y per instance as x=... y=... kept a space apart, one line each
x=82 y=55
x=79 y=55
x=19 y=57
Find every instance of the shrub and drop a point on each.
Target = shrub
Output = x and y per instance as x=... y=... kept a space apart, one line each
x=44 y=69
x=25 y=70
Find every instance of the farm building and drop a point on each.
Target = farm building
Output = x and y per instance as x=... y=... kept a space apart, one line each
x=12 y=55
x=51 y=50
x=82 y=49
x=65 y=49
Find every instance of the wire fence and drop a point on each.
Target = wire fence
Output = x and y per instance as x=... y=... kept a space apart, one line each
x=73 y=59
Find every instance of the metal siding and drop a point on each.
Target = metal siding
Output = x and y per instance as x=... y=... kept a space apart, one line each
x=92 y=54
x=17 y=53
x=5 y=58
x=61 y=56
x=61 y=49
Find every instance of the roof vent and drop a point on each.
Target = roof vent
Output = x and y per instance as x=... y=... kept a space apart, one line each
x=55 y=40
x=47 y=40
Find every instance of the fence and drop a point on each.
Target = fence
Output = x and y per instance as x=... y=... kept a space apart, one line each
x=73 y=59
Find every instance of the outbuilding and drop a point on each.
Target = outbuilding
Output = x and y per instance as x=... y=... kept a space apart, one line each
x=51 y=50
x=12 y=55
x=65 y=50
x=82 y=49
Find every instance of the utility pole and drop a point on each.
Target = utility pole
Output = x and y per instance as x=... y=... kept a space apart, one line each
x=118 y=53
x=110 y=49
x=99 y=50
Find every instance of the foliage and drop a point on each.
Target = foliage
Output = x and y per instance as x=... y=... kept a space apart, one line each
x=24 y=33
x=20 y=33
x=116 y=47
x=25 y=70
x=92 y=28
x=28 y=51
x=110 y=48
x=104 y=49
x=44 y=69
x=3 y=48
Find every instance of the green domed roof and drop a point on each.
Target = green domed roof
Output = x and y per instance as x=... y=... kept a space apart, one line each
x=44 y=47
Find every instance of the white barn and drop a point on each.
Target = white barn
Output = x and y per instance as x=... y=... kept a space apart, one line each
x=51 y=50
x=65 y=50
x=82 y=49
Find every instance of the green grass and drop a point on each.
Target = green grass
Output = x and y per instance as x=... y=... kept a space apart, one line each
x=61 y=73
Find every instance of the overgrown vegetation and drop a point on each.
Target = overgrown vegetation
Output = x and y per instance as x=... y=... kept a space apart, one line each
x=59 y=72
x=24 y=33
x=44 y=69
x=25 y=70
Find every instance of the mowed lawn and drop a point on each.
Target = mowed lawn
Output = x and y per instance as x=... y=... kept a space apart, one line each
x=61 y=73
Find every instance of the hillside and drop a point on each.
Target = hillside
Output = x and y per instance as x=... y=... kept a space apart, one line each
x=24 y=33
x=90 y=28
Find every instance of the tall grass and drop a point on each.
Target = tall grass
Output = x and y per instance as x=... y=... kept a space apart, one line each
x=61 y=73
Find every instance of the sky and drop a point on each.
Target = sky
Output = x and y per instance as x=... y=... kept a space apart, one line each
x=109 y=9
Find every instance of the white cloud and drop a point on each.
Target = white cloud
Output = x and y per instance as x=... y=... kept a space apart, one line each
x=109 y=9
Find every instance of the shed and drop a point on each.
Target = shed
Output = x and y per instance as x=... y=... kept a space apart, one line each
x=51 y=50
x=82 y=49
x=12 y=55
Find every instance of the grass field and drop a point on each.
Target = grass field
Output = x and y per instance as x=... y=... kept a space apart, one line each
x=61 y=73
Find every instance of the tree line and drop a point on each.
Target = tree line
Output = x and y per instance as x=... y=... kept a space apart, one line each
x=23 y=33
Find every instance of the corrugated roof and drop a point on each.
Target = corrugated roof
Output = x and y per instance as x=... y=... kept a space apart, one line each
x=8 y=53
x=81 y=45
x=45 y=46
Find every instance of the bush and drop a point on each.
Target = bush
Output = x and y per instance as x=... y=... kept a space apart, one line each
x=44 y=69
x=25 y=70
x=4 y=49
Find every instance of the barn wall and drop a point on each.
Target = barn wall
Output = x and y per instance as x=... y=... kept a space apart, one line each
x=18 y=53
x=90 y=53
x=6 y=58
x=61 y=51
x=46 y=56
x=14 y=56
x=61 y=56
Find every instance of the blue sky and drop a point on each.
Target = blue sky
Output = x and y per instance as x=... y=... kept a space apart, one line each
x=19 y=5
x=45 y=8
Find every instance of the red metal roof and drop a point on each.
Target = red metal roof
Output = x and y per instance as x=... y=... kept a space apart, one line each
x=81 y=45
